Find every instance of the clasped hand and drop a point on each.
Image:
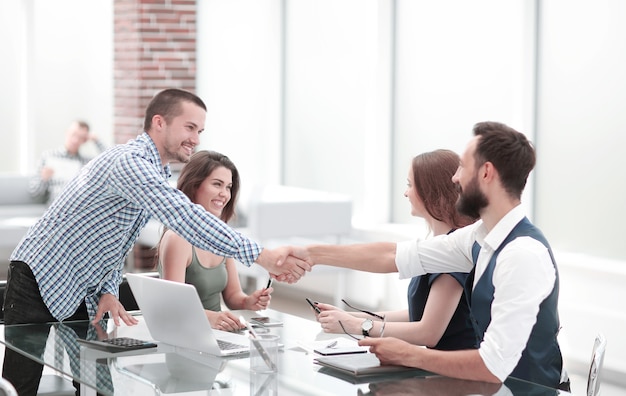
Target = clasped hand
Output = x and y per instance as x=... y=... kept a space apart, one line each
x=285 y=264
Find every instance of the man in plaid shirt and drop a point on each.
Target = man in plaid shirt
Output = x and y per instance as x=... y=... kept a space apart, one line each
x=69 y=265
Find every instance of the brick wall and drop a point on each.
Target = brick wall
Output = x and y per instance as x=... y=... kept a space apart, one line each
x=154 y=49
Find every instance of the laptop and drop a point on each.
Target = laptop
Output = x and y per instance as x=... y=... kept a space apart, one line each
x=174 y=315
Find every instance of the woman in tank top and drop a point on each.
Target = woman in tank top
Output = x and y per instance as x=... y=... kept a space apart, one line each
x=209 y=179
x=438 y=313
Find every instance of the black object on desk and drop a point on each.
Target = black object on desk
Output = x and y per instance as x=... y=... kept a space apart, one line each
x=315 y=307
x=120 y=344
x=341 y=350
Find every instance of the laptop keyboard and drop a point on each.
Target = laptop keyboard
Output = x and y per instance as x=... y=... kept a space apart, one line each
x=226 y=345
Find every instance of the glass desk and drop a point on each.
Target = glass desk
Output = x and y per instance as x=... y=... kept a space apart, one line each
x=168 y=370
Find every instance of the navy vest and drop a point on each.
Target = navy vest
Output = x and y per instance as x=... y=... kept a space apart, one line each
x=541 y=362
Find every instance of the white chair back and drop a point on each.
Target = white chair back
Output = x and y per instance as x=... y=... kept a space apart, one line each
x=6 y=388
x=595 y=369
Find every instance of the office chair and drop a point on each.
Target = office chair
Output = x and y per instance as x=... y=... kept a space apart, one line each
x=6 y=389
x=597 y=361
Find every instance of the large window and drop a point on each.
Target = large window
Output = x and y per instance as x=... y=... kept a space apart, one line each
x=457 y=63
x=57 y=66
x=338 y=95
x=581 y=124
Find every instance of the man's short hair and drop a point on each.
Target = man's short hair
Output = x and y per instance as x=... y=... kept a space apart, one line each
x=83 y=124
x=510 y=152
x=167 y=104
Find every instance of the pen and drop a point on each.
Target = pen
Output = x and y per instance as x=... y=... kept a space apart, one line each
x=258 y=345
x=267 y=381
x=269 y=283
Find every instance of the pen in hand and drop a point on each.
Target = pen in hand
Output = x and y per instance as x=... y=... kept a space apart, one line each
x=269 y=283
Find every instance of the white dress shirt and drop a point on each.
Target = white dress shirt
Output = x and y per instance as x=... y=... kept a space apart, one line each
x=523 y=277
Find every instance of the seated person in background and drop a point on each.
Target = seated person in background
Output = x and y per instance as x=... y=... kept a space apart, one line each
x=57 y=167
x=438 y=314
x=211 y=180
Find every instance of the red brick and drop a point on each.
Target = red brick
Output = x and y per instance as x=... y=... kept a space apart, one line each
x=154 y=49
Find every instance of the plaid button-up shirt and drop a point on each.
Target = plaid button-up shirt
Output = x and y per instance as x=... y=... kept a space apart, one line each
x=77 y=249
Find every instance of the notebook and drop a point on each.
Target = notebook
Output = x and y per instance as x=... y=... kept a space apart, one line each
x=174 y=315
x=361 y=364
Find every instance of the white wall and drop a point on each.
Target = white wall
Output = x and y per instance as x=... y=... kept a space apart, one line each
x=239 y=79
x=458 y=63
x=581 y=124
x=59 y=67
x=335 y=138
x=11 y=25
x=579 y=186
x=591 y=302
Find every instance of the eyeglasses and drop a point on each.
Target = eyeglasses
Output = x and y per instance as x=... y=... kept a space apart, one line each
x=345 y=332
x=381 y=317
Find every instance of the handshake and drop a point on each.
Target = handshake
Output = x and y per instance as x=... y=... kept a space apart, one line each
x=290 y=263
x=286 y=264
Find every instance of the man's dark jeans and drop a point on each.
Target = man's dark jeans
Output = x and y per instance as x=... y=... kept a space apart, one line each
x=23 y=304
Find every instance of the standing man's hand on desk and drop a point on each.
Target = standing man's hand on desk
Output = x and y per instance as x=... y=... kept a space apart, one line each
x=109 y=303
x=282 y=265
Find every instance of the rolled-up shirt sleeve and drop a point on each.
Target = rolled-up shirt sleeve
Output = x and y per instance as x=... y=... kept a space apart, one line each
x=444 y=253
x=407 y=260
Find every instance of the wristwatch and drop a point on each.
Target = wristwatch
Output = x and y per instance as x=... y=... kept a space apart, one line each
x=366 y=326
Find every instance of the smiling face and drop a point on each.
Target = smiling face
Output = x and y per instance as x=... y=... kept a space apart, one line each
x=215 y=191
x=180 y=136
x=211 y=179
